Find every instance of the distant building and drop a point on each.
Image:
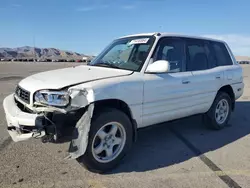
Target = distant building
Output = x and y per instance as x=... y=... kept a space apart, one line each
x=86 y=59
x=243 y=61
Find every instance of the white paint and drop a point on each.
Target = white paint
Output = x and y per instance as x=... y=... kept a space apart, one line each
x=16 y=117
x=138 y=35
x=56 y=79
x=152 y=98
x=160 y=66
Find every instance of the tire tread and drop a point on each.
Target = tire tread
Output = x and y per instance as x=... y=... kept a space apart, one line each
x=209 y=119
x=106 y=114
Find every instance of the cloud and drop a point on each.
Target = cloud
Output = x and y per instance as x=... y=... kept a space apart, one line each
x=91 y=8
x=128 y=7
x=239 y=44
x=16 y=5
x=85 y=9
x=10 y=6
x=94 y=5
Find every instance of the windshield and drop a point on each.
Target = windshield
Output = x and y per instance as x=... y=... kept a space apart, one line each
x=127 y=53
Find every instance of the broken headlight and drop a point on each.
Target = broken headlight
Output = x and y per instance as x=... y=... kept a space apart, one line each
x=52 y=98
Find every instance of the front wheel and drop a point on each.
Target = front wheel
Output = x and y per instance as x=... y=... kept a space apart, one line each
x=219 y=114
x=110 y=138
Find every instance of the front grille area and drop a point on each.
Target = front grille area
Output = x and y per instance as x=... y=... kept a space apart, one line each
x=22 y=107
x=22 y=94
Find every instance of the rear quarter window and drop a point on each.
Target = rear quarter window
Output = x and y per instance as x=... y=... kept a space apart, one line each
x=221 y=54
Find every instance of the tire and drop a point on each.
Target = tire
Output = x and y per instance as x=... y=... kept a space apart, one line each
x=93 y=162
x=210 y=118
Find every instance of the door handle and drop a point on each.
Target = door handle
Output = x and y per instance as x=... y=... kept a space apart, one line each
x=185 y=81
x=218 y=77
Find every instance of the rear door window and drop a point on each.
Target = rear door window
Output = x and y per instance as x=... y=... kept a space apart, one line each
x=196 y=53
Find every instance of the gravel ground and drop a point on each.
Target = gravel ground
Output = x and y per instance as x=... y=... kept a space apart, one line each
x=179 y=154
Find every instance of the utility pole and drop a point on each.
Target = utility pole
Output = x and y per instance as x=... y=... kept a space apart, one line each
x=34 y=41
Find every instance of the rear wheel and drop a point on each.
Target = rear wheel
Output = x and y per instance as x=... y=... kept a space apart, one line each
x=219 y=114
x=110 y=138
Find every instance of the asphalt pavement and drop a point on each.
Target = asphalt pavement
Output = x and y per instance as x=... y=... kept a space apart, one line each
x=183 y=153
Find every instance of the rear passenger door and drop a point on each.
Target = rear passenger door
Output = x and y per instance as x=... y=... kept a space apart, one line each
x=207 y=77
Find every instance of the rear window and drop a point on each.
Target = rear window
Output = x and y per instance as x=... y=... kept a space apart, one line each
x=222 y=56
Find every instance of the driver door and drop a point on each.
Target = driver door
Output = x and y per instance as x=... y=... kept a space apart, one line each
x=167 y=95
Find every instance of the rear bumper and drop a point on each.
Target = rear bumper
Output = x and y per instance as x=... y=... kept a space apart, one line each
x=17 y=119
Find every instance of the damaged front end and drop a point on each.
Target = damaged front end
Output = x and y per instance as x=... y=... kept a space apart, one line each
x=69 y=123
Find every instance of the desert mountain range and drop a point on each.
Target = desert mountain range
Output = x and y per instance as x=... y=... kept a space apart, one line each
x=28 y=52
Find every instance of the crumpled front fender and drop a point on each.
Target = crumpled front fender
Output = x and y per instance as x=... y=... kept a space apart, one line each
x=79 y=142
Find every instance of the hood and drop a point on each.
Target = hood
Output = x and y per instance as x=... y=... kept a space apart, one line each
x=57 y=79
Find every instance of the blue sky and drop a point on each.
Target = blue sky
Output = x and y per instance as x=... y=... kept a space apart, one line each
x=87 y=26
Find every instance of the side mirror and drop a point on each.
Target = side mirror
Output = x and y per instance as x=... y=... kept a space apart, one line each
x=159 y=66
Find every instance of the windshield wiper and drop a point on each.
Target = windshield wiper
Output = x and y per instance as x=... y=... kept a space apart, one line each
x=107 y=64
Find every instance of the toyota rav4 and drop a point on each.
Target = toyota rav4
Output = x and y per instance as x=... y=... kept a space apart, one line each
x=137 y=81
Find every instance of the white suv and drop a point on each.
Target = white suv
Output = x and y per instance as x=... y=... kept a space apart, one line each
x=137 y=81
